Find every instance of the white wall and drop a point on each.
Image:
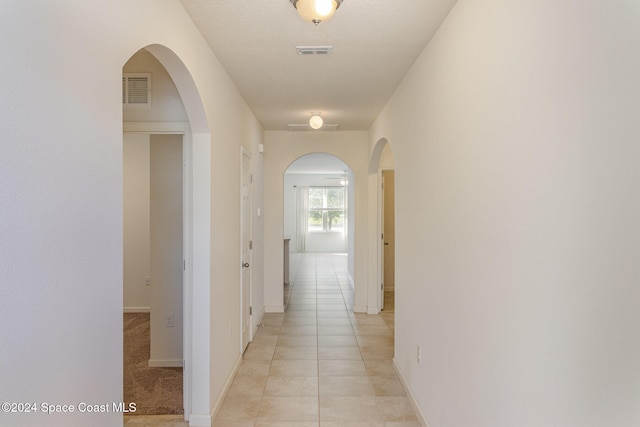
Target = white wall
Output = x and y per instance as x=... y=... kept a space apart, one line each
x=257 y=227
x=166 y=254
x=136 y=238
x=61 y=182
x=515 y=138
x=153 y=239
x=351 y=228
x=290 y=205
x=240 y=128
x=281 y=149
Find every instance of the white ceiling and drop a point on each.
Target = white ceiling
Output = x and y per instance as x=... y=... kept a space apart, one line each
x=374 y=42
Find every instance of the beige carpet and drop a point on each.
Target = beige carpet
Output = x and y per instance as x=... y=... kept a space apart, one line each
x=156 y=391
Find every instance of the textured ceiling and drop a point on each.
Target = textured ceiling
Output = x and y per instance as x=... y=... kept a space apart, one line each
x=374 y=42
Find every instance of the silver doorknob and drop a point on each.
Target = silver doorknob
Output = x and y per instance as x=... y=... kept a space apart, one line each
x=245 y=265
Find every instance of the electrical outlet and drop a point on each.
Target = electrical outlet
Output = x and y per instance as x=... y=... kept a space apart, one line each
x=419 y=355
x=147 y=281
x=168 y=320
x=229 y=330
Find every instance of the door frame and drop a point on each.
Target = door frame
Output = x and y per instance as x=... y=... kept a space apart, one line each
x=382 y=224
x=184 y=129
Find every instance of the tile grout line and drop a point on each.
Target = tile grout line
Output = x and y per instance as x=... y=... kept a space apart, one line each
x=317 y=338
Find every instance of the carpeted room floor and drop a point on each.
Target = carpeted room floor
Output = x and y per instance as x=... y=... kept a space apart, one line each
x=156 y=391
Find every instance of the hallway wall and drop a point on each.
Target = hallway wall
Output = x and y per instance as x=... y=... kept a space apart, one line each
x=166 y=253
x=136 y=223
x=281 y=149
x=61 y=184
x=515 y=137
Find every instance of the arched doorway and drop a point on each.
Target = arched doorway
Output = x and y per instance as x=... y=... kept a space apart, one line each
x=176 y=122
x=382 y=238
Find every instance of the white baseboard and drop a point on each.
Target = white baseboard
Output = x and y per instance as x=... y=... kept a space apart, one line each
x=359 y=309
x=274 y=309
x=165 y=363
x=421 y=417
x=225 y=389
x=259 y=316
x=200 y=420
x=136 y=310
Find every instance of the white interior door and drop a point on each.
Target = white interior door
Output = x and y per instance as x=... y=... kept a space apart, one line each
x=387 y=211
x=381 y=241
x=245 y=258
x=389 y=231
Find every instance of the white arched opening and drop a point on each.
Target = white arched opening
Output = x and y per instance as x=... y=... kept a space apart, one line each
x=196 y=214
x=318 y=209
x=381 y=164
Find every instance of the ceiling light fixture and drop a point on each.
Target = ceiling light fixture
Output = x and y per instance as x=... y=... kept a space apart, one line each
x=316 y=11
x=316 y=121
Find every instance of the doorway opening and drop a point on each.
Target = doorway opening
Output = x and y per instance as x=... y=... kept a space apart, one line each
x=173 y=117
x=318 y=211
x=382 y=237
x=153 y=272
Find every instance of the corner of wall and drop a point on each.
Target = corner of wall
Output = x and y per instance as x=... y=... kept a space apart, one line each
x=200 y=420
x=274 y=309
x=223 y=393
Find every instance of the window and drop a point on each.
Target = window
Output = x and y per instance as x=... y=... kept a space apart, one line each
x=326 y=209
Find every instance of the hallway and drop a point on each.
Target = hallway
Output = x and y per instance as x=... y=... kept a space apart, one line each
x=318 y=364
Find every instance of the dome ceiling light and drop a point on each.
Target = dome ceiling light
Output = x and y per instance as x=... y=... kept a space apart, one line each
x=315 y=121
x=316 y=11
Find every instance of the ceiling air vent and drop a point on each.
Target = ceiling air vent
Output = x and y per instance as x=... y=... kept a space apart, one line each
x=136 y=89
x=314 y=50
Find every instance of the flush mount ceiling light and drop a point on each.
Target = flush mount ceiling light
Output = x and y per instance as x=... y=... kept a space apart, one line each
x=316 y=121
x=316 y=11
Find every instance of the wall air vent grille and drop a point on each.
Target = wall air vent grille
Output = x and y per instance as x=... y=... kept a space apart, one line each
x=136 y=89
x=314 y=50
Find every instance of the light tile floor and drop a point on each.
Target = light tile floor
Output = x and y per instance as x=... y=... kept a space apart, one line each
x=318 y=364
